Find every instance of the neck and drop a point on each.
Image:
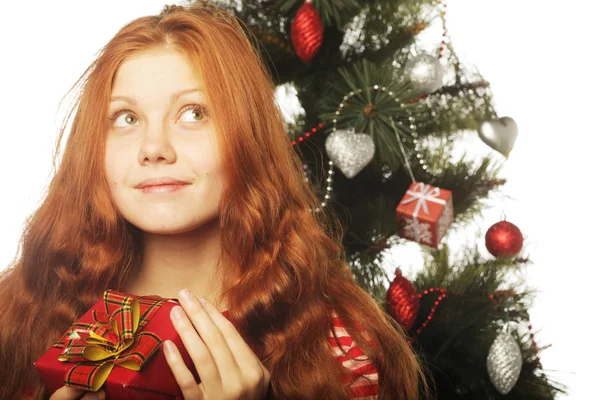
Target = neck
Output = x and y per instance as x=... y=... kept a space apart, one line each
x=171 y=262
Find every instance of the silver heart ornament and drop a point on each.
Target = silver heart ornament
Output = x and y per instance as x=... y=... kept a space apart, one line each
x=350 y=151
x=499 y=134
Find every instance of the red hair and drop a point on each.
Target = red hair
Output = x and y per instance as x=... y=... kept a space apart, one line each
x=289 y=268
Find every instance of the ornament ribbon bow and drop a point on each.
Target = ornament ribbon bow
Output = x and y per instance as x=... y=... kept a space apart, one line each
x=111 y=339
x=422 y=194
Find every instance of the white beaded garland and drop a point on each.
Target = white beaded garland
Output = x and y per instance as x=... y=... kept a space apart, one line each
x=414 y=135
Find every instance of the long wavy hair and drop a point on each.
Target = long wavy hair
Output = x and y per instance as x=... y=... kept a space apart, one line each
x=289 y=267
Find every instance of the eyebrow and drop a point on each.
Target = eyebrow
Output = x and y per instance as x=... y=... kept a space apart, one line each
x=174 y=96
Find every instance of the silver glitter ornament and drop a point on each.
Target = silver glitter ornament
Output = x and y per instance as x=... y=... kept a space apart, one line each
x=350 y=151
x=504 y=362
x=500 y=134
x=426 y=72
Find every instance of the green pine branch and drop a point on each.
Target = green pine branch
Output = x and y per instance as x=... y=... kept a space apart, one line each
x=480 y=300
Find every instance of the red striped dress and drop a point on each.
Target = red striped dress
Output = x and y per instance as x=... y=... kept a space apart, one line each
x=361 y=389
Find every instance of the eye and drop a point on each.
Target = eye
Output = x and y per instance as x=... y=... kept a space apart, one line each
x=129 y=117
x=198 y=114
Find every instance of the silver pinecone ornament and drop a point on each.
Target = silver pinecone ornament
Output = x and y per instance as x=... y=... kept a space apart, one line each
x=504 y=362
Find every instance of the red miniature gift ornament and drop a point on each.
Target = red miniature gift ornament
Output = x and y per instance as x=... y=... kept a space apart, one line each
x=425 y=213
x=117 y=343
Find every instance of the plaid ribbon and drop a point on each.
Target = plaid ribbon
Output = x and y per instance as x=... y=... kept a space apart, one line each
x=110 y=340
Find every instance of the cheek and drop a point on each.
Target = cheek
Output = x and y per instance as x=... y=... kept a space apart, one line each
x=113 y=170
x=212 y=172
x=207 y=158
x=206 y=164
x=111 y=180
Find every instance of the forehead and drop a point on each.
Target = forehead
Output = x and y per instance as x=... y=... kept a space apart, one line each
x=155 y=73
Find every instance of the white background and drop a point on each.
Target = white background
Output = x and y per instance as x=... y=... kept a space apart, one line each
x=537 y=57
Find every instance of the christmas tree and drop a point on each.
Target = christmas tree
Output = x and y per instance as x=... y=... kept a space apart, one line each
x=377 y=132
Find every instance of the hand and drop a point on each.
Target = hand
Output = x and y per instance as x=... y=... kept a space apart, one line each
x=227 y=367
x=68 y=393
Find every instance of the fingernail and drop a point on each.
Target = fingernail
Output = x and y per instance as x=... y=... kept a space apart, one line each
x=186 y=295
x=178 y=312
x=101 y=395
x=169 y=347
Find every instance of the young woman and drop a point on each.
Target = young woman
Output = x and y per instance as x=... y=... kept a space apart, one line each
x=177 y=174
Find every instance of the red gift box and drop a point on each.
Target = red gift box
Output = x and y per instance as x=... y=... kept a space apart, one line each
x=425 y=213
x=117 y=346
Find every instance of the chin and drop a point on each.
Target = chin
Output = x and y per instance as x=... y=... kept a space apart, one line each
x=168 y=228
x=164 y=230
x=171 y=226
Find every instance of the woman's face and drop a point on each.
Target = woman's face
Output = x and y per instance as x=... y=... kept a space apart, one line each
x=162 y=132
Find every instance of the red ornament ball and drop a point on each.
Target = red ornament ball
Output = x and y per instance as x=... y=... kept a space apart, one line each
x=307 y=32
x=402 y=301
x=504 y=239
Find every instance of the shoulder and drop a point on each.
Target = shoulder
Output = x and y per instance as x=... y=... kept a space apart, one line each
x=361 y=389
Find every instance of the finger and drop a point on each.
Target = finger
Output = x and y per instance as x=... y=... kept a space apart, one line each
x=251 y=367
x=265 y=383
x=183 y=376
x=226 y=365
x=66 y=393
x=195 y=346
x=100 y=395
x=249 y=364
x=254 y=372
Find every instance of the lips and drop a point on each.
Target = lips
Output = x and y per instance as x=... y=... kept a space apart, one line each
x=163 y=189
x=161 y=181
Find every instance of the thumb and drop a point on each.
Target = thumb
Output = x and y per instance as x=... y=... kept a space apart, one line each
x=67 y=393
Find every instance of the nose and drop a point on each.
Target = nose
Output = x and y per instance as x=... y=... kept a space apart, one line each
x=156 y=144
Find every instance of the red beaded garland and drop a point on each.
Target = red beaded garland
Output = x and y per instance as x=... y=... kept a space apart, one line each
x=307 y=134
x=435 y=305
x=533 y=342
x=421 y=97
x=445 y=34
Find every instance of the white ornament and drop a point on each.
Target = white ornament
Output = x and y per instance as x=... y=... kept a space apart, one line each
x=350 y=151
x=426 y=72
x=500 y=134
x=504 y=362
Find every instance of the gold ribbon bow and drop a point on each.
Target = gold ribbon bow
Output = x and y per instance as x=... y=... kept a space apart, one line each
x=111 y=339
